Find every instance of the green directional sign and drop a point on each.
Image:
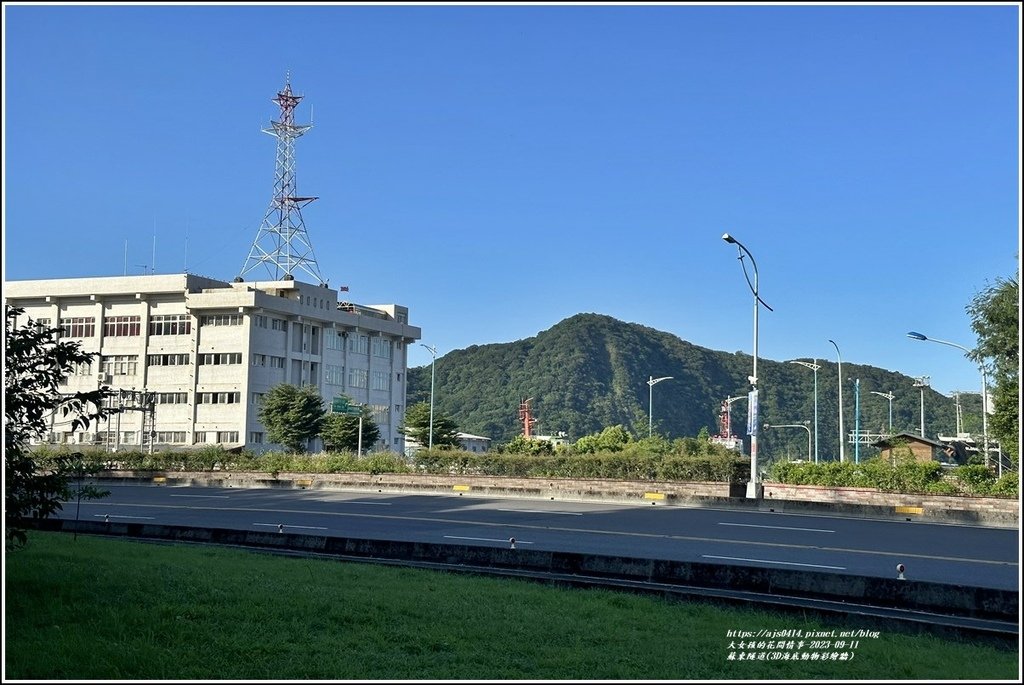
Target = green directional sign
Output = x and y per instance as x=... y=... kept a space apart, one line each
x=340 y=405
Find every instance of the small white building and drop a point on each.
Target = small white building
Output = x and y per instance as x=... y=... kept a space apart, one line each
x=209 y=350
x=467 y=442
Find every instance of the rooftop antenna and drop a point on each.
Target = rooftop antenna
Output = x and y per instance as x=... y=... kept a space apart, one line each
x=282 y=245
x=126 y=258
x=185 y=267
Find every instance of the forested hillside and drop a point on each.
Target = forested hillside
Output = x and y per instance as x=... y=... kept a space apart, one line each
x=590 y=371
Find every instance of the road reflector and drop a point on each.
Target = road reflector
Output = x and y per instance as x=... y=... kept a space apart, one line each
x=910 y=510
x=654 y=495
x=304 y=482
x=460 y=488
x=159 y=479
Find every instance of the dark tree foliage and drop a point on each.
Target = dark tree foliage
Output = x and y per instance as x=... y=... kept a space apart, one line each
x=36 y=363
x=995 y=317
x=340 y=432
x=292 y=415
x=590 y=372
x=417 y=427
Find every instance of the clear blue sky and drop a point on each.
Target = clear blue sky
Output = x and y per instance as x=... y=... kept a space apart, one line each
x=500 y=168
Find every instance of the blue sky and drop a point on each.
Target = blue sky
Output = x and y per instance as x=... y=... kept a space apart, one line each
x=500 y=168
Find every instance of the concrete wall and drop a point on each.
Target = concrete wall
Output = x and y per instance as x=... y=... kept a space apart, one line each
x=961 y=509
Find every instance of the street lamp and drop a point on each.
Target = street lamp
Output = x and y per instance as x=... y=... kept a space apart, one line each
x=813 y=367
x=650 y=403
x=921 y=382
x=794 y=425
x=842 y=450
x=433 y=358
x=888 y=396
x=984 y=391
x=753 y=487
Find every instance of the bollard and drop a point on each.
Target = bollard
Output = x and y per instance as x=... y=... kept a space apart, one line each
x=280 y=528
x=106 y=518
x=900 y=568
x=511 y=543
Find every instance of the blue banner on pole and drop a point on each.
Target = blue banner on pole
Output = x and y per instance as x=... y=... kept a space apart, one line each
x=752 y=419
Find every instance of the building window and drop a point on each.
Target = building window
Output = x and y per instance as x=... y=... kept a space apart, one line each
x=359 y=344
x=277 y=362
x=398 y=409
x=167 y=359
x=78 y=327
x=357 y=378
x=381 y=380
x=221 y=320
x=118 y=326
x=257 y=398
x=171 y=398
x=334 y=375
x=260 y=320
x=259 y=360
x=333 y=340
x=171 y=437
x=217 y=358
x=218 y=397
x=402 y=318
x=119 y=365
x=256 y=438
x=200 y=437
x=127 y=437
x=171 y=324
x=227 y=436
x=382 y=348
x=379 y=413
x=278 y=325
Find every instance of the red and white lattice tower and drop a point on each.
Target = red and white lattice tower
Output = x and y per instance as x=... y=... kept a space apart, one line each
x=282 y=244
x=526 y=416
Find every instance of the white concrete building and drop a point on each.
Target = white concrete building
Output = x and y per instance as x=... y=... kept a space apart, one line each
x=209 y=350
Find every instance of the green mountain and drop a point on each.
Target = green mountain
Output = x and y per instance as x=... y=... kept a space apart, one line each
x=591 y=371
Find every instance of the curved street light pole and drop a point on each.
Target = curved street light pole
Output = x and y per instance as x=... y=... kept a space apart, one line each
x=842 y=449
x=794 y=425
x=650 y=402
x=813 y=367
x=984 y=391
x=754 y=486
x=433 y=358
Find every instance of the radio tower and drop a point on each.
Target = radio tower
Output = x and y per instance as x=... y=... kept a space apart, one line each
x=282 y=244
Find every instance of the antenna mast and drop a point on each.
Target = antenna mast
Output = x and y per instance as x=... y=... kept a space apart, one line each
x=282 y=244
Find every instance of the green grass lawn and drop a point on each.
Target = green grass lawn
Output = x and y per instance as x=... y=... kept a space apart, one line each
x=104 y=608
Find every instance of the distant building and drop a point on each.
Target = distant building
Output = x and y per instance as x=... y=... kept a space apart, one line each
x=205 y=352
x=467 y=442
x=922 y=449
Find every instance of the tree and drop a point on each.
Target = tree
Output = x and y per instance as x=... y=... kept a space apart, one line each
x=340 y=432
x=417 y=427
x=611 y=439
x=995 y=318
x=292 y=415
x=520 y=444
x=36 y=364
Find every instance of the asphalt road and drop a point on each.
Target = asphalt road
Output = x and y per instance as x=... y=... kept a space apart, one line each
x=966 y=555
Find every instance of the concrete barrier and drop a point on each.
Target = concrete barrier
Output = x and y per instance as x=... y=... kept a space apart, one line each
x=950 y=600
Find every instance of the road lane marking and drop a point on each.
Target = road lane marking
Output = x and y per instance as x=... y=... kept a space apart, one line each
x=770 y=561
x=559 y=529
x=755 y=525
x=459 y=537
x=118 y=516
x=288 y=525
x=204 y=496
x=540 y=511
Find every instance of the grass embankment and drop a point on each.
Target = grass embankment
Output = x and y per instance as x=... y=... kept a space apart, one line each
x=97 y=608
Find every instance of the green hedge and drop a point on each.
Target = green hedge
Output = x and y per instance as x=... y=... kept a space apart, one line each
x=906 y=475
x=625 y=465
